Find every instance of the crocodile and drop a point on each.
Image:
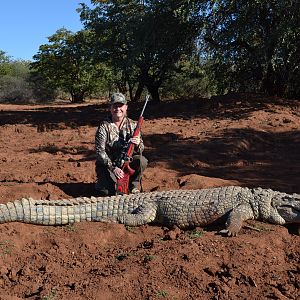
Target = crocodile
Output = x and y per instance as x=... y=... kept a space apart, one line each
x=182 y=208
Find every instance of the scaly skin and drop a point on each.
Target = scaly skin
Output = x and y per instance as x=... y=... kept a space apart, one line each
x=182 y=208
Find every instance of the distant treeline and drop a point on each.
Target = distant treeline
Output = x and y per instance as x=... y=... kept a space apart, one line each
x=168 y=48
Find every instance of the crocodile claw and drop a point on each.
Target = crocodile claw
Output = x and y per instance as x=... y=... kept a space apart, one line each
x=227 y=232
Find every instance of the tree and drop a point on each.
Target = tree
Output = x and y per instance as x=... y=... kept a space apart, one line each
x=189 y=80
x=143 y=40
x=13 y=79
x=5 y=67
x=66 y=62
x=3 y=57
x=254 y=45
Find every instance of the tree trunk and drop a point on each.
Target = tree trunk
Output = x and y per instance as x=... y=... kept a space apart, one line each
x=152 y=84
x=268 y=80
x=153 y=90
x=138 y=92
x=130 y=88
x=122 y=85
x=77 y=97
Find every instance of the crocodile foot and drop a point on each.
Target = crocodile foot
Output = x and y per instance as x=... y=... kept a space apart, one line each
x=227 y=232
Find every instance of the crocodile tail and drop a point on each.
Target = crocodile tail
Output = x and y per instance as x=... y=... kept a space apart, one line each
x=18 y=211
x=60 y=212
x=10 y=212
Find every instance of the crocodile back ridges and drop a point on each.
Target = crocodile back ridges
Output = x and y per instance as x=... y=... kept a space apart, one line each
x=200 y=207
x=207 y=199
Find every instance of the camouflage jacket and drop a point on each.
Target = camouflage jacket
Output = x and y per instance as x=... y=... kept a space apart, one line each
x=110 y=140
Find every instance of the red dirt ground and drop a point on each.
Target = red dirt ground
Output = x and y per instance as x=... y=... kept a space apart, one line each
x=47 y=152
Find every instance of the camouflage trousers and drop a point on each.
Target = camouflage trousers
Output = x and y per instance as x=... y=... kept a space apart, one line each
x=106 y=179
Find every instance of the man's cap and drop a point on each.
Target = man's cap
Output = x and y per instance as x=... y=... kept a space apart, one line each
x=118 y=98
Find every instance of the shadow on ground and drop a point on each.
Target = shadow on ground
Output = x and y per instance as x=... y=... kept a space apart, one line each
x=51 y=118
x=238 y=154
x=77 y=189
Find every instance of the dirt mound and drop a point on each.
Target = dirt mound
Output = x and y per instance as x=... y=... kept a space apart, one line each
x=202 y=182
x=47 y=152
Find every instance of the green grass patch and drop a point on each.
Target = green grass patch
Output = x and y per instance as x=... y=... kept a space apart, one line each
x=50 y=296
x=193 y=234
x=162 y=294
x=6 y=247
x=70 y=228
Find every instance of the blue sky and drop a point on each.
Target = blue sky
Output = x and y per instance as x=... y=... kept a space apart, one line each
x=26 y=24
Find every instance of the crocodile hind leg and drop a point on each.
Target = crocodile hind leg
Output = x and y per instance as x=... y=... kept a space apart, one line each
x=144 y=214
x=236 y=218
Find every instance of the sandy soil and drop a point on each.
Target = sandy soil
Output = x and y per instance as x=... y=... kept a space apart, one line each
x=47 y=152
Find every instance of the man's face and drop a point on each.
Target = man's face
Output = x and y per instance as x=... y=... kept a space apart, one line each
x=118 y=109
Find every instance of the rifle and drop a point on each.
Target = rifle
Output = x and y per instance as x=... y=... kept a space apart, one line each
x=122 y=186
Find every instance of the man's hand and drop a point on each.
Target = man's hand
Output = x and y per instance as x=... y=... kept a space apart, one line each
x=118 y=172
x=135 y=140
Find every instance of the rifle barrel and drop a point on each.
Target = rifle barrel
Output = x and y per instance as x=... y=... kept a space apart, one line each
x=147 y=99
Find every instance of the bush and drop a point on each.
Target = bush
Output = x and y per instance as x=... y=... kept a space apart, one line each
x=14 y=88
x=189 y=80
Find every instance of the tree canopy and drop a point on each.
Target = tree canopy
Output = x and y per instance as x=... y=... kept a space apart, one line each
x=254 y=45
x=142 y=39
x=241 y=45
x=176 y=48
x=67 y=62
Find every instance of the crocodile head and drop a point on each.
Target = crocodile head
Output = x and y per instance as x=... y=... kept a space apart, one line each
x=288 y=207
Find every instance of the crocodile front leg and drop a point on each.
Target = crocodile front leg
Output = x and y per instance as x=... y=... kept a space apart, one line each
x=236 y=218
